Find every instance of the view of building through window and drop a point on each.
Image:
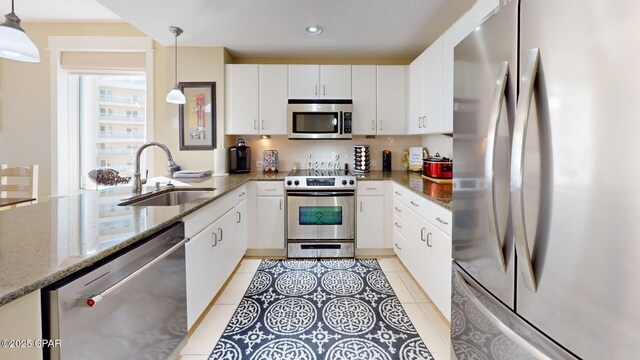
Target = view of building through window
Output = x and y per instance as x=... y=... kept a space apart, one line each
x=112 y=122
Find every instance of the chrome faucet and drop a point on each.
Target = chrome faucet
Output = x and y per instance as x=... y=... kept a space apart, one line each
x=137 y=182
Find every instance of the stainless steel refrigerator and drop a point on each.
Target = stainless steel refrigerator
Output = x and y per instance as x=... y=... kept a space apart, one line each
x=546 y=209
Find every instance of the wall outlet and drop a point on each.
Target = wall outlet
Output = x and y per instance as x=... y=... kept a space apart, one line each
x=374 y=163
x=258 y=164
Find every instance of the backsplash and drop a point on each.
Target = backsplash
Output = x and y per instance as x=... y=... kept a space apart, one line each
x=296 y=151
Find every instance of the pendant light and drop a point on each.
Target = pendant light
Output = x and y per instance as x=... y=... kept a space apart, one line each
x=14 y=42
x=175 y=96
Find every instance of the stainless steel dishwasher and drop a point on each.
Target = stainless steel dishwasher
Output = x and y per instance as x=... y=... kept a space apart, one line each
x=131 y=305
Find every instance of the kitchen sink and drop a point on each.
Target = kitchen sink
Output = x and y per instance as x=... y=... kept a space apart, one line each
x=170 y=197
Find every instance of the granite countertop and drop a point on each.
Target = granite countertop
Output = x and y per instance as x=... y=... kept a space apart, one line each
x=45 y=242
x=441 y=194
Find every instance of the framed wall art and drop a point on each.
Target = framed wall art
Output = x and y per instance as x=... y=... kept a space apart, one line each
x=197 y=119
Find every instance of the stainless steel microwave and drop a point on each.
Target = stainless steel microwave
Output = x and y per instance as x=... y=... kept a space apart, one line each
x=320 y=119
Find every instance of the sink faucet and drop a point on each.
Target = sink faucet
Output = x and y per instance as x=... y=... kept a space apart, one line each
x=137 y=182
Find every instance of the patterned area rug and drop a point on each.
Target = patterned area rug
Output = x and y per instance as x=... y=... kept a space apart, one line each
x=320 y=309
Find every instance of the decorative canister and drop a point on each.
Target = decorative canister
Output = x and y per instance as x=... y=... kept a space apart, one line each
x=270 y=161
x=361 y=159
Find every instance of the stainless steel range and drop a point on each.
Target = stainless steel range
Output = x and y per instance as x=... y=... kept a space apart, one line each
x=320 y=213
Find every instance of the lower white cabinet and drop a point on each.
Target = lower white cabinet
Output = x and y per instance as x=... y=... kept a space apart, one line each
x=370 y=222
x=270 y=222
x=422 y=247
x=21 y=320
x=214 y=249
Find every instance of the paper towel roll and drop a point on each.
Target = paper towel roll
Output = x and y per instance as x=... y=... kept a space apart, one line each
x=220 y=162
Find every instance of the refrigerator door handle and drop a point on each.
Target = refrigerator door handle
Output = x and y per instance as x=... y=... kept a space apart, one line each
x=517 y=167
x=502 y=92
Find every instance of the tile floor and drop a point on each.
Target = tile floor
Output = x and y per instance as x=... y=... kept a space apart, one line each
x=431 y=326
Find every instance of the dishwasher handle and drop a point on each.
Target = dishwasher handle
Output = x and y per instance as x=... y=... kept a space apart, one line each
x=95 y=299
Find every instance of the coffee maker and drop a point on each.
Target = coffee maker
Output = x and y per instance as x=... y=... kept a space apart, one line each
x=240 y=157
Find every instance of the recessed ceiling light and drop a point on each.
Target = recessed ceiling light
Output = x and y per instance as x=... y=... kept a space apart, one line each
x=313 y=29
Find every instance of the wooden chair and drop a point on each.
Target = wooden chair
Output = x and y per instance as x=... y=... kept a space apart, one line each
x=19 y=182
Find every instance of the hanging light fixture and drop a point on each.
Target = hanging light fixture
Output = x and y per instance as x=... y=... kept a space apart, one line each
x=14 y=42
x=175 y=96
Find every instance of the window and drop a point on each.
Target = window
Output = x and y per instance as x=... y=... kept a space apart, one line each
x=100 y=132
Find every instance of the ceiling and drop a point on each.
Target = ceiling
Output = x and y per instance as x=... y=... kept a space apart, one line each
x=271 y=28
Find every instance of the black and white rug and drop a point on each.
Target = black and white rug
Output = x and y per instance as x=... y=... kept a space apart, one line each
x=320 y=309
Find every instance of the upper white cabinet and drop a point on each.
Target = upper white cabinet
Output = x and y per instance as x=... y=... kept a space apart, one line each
x=319 y=81
x=425 y=91
x=379 y=99
x=256 y=99
x=392 y=99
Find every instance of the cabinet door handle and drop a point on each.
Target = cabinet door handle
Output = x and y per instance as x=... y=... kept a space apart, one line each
x=373 y=124
x=242 y=194
x=360 y=206
x=397 y=209
x=397 y=193
x=414 y=204
x=220 y=234
x=316 y=89
x=422 y=234
x=380 y=128
x=270 y=189
x=214 y=239
x=419 y=122
x=262 y=125
x=371 y=188
x=399 y=248
x=429 y=236
x=255 y=127
x=442 y=221
x=324 y=90
x=397 y=225
x=280 y=204
x=239 y=217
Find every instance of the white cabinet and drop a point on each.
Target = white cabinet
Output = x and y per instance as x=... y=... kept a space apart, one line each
x=218 y=240
x=370 y=215
x=21 y=320
x=423 y=248
x=269 y=232
x=319 y=81
x=256 y=99
x=425 y=91
x=364 y=93
x=391 y=99
x=379 y=99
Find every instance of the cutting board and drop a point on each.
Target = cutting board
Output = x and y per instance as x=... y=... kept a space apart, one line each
x=437 y=181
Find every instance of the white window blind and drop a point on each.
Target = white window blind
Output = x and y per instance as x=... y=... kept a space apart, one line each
x=135 y=61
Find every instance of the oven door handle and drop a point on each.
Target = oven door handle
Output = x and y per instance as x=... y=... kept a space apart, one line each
x=321 y=194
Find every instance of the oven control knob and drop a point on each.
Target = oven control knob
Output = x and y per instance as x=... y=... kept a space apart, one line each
x=297 y=182
x=289 y=182
x=351 y=182
x=344 y=182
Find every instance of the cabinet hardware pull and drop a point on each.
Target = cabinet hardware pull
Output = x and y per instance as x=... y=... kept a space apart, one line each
x=214 y=237
x=397 y=225
x=399 y=248
x=255 y=127
x=262 y=126
x=419 y=122
x=239 y=217
x=429 y=236
x=316 y=89
x=280 y=204
x=398 y=210
x=220 y=234
x=414 y=204
x=324 y=90
x=270 y=189
x=373 y=124
x=380 y=125
x=442 y=221
x=241 y=195
x=397 y=193
x=360 y=206
x=422 y=234
x=371 y=188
